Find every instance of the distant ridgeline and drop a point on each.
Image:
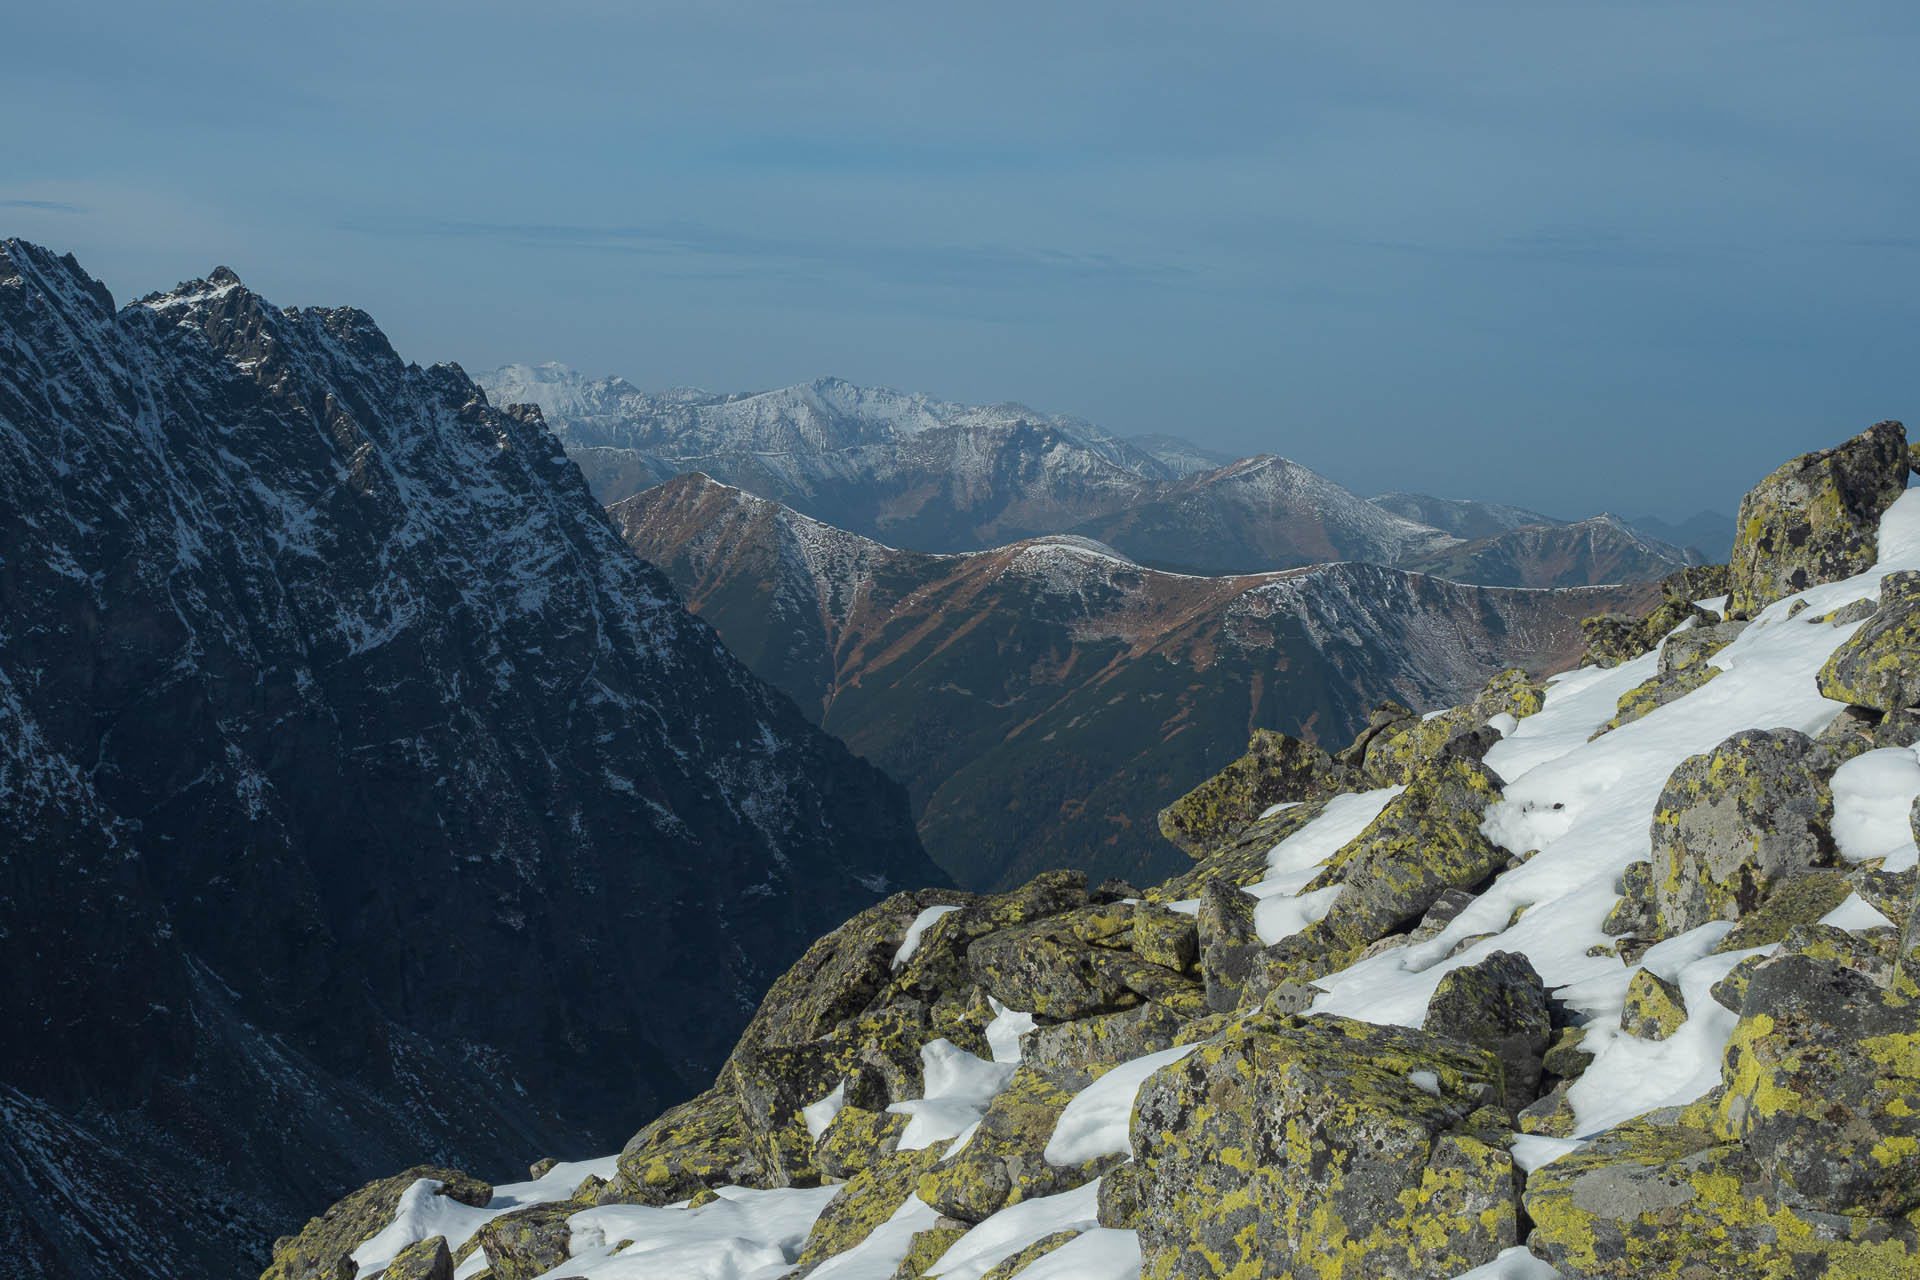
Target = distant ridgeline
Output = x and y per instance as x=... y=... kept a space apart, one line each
x=913 y=471
x=363 y=799
x=1615 y=975
x=1043 y=701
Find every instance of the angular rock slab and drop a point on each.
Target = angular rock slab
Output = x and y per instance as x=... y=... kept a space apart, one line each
x=1816 y=519
x=1293 y=1148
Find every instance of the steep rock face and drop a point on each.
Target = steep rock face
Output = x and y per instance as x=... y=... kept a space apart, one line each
x=360 y=793
x=1032 y=694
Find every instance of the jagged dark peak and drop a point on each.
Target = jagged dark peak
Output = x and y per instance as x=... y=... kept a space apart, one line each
x=56 y=274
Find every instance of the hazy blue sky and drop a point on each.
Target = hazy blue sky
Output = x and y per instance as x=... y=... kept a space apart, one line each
x=1572 y=255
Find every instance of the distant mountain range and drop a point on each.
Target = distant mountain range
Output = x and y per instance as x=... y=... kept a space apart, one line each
x=1042 y=700
x=914 y=471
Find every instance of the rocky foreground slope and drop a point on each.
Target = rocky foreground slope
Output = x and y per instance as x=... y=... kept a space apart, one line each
x=1042 y=701
x=1615 y=977
x=362 y=797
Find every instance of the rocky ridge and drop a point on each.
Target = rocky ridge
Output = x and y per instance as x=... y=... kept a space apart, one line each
x=1042 y=701
x=341 y=741
x=1482 y=994
x=914 y=471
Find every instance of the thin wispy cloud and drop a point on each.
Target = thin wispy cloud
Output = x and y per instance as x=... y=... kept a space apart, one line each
x=44 y=206
x=926 y=263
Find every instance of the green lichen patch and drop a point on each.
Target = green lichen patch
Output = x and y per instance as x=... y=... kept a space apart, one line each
x=866 y=1201
x=1794 y=900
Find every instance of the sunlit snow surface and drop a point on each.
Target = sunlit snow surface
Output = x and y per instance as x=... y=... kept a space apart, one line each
x=1580 y=809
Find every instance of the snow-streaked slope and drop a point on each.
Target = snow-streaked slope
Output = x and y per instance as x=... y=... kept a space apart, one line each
x=1582 y=810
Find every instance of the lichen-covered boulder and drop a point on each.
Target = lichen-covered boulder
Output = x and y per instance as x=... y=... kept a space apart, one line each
x=1733 y=822
x=937 y=969
x=528 y=1242
x=841 y=974
x=1004 y=1162
x=1307 y=1147
x=855 y=1139
x=700 y=1143
x=1240 y=862
x=1567 y=1057
x=1816 y=519
x=1650 y=695
x=1891 y=893
x=1635 y=915
x=1793 y=900
x=773 y=1084
x=1384 y=722
x=1550 y=1115
x=423 y=1260
x=1654 y=1008
x=1692 y=646
x=1661 y=1197
x=1048 y=971
x=1426 y=841
x=1276 y=769
x=1511 y=692
x=1088 y=1047
x=1879 y=665
x=1696 y=582
x=867 y=1200
x=1614 y=638
x=1165 y=937
x=330 y=1239
x=1499 y=1005
x=1228 y=944
x=1458 y=731
x=1822 y=1076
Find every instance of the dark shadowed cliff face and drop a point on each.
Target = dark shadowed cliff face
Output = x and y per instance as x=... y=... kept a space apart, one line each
x=363 y=800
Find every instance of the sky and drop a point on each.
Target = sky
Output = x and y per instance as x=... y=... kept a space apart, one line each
x=1627 y=256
